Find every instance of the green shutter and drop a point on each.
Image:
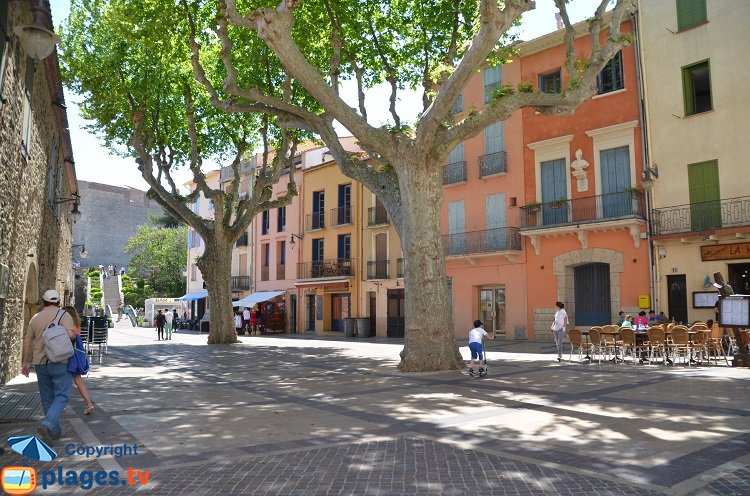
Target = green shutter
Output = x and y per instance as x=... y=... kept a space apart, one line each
x=690 y=13
x=705 y=197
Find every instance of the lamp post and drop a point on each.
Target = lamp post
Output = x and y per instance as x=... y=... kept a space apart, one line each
x=83 y=253
x=75 y=214
x=36 y=40
x=292 y=243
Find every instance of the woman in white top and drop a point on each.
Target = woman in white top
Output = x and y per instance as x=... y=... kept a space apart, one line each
x=558 y=327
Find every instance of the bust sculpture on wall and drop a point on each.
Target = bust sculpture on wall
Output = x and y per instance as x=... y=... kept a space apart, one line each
x=579 y=171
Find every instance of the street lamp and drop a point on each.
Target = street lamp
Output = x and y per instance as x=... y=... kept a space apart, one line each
x=649 y=174
x=75 y=214
x=83 y=253
x=36 y=40
x=298 y=236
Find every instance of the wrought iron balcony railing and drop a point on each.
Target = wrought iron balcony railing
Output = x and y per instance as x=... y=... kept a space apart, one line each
x=454 y=173
x=487 y=241
x=378 y=269
x=377 y=216
x=341 y=215
x=703 y=216
x=240 y=283
x=335 y=267
x=590 y=209
x=493 y=163
x=315 y=220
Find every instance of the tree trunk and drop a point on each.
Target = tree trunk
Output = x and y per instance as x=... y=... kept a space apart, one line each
x=216 y=267
x=429 y=341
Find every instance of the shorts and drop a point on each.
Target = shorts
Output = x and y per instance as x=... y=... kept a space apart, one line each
x=476 y=351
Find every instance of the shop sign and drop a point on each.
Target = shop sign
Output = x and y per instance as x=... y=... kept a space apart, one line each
x=725 y=252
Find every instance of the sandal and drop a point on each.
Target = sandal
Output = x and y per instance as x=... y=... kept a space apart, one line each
x=89 y=410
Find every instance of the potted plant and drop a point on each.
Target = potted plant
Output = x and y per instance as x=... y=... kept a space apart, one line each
x=559 y=203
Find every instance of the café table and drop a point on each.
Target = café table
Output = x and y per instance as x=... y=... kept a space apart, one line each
x=585 y=334
x=614 y=334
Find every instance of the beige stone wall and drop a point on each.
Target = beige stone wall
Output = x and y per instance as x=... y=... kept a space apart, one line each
x=34 y=235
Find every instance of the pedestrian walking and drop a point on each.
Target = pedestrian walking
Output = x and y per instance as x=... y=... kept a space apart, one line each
x=238 y=322
x=476 y=335
x=119 y=312
x=77 y=379
x=558 y=327
x=175 y=320
x=159 y=321
x=246 y=320
x=168 y=320
x=53 y=379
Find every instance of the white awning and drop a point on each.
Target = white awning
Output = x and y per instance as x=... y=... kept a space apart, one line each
x=252 y=299
x=195 y=295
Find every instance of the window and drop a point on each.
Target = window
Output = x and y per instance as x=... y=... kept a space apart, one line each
x=550 y=83
x=458 y=104
x=266 y=222
x=282 y=252
x=197 y=239
x=345 y=246
x=492 y=77
x=28 y=93
x=690 y=13
x=265 y=254
x=318 y=208
x=3 y=44
x=696 y=85
x=281 y=219
x=610 y=78
x=193 y=272
x=317 y=250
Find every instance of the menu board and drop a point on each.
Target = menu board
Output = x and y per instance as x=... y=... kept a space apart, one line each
x=705 y=299
x=735 y=311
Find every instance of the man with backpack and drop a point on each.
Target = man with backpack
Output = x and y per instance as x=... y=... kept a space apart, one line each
x=52 y=374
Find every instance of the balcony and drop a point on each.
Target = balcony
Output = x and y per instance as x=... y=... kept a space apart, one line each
x=341 y=216
x=264 y=273
x=315 y=220
x=335 y=267
x=378 y=269
x=280 y=272
x=454 y=173
x=478 y=242
x=704 y=216
x=580 y=216
x=493 y=163
x=590 y=209
x=377 y=216
x=399 y=267
x=240 y=283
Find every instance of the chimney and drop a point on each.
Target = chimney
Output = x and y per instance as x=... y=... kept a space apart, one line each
x=558 y=18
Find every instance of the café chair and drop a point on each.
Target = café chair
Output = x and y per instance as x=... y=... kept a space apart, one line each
x=576 y=341
x=656 y=343
x=679 y=343
x=628 y=342
x=597 y=344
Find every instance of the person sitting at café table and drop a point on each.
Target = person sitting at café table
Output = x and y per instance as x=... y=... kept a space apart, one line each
x=628 y=322
x=620 y=317
x=641 y=322
x=652 y=318
x=663 y=319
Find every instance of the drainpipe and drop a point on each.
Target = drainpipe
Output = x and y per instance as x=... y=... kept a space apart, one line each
x=645 y=158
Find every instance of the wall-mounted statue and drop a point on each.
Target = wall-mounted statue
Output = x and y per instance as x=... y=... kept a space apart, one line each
x=579 y=171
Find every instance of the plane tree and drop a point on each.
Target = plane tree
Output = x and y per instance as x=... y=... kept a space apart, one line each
x=434 y=46
x=129 y=63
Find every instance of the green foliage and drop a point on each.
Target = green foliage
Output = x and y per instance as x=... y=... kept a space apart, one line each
x=503 y=90
x=158 y=259
x=135 y=292
x=164 y=220
x=525 y=88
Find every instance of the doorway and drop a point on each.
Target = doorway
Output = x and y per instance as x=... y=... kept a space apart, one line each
x=396 y=313
x=739 y=278
x=677 y=299
x=340 y=310
x=310 y=313
x=592 y=294
x=492 y=309
x=373 y=313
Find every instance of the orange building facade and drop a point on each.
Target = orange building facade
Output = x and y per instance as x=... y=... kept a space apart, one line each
x=549 y=208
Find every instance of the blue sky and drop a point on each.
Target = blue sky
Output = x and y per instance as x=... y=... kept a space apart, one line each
x=95 y=163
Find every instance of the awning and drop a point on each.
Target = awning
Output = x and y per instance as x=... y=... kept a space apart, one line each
x=195 y=295
x=252 y=299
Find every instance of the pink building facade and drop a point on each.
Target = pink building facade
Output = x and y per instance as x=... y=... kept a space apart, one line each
x=549 y=208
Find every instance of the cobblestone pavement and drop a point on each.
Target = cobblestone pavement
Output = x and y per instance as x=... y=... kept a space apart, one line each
x=291 y=415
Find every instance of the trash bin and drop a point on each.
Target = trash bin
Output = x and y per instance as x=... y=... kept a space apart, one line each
x=363 y=327
x=349 y=327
